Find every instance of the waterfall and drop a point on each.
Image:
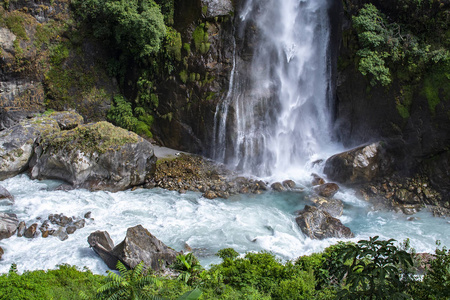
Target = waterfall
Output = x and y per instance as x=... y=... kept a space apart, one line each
x=276 y=115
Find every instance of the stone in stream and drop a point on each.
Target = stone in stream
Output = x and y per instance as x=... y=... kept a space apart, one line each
x=61 y=233
x=102 y=244
x=318 y=224
x=210 y=195
x=21 y=229
x=289 y=184
x=8 y=225
x=4 y=194
x=32 y=231
x=317 y=180
x=327 y=189
x=1 y=252
x=278 y=187
x=332 y=206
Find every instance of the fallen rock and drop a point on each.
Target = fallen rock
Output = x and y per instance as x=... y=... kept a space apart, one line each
x=102 y=244
x=318 y=224
x=61 y=233
x=327 y=189
x=332 y=206
x=4 y=194
x=210 y=195
x=96 y=156
x=32 y=232
x=71 y=229
x=21 y=229
x=360 y=165
x=140 y=245
x=1 y=252
x=278 y=187
x=317 y=180
x=8 y=225
x=16 y=144
x=67 y=120
x=289 y=184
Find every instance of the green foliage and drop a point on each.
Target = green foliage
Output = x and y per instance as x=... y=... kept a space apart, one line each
x=436 y=282
x=173 y=43
x=386 y=45
x=436 y=86
x=376 y=270
x=183 y=76
x=134 y=27
x=200 y=37
x=227 y=253
x=63 y=283
x=121 y=114
x=129 y=284
x=15 y=22
x=189 y=268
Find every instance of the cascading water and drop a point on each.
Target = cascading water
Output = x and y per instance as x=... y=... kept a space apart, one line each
x=275 y=117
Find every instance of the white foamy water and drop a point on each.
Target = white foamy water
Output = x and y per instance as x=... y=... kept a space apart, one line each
x=246 y=223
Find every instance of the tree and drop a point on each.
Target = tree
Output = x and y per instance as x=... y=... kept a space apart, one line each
x=135 y=27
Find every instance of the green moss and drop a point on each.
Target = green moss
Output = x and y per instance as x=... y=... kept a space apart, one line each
x=91 y=138
x=187 y=48
x=183 y=76
x=173 y=43
x=436 y=87
x=15 y=21
x=404 y=101
x=200 y=37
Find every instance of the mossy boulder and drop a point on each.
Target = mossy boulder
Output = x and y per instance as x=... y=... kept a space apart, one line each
x=96 y=156
x=16 y=144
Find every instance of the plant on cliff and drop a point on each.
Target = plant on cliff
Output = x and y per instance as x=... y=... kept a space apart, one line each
x=134 y=27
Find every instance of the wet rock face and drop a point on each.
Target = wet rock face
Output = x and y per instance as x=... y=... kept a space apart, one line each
x=332 y=206
x=360 y=165
x=217 y=8
x=318 y=224
x=327 y=190
x=4 y=194
x=8 y=225
x=96 y=156
x=139 y=245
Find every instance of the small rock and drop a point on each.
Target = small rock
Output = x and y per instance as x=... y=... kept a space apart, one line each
x=71 y=229
x=61 y=234
x=8 y=225
x=278 y=187
x=210 y=195
x=79 y=224
x=87 y=215
x=4 y=194
x=289 y=184
x=1 y=252
x=21 y=229
x=317 y=180
x=31 y=232
x=327 y=189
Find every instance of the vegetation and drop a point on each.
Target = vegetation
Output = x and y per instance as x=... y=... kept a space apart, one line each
x=369 y=269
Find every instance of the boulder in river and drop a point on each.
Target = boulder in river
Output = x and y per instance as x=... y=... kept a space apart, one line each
x=360 y=165
x=278 y=187
x=317 y=180
x=102 y=244
x=8 y=225
x=96 y=156
x=332 y=206
x=140 y=245
x=4 y=194
x=318 y=224
x=289 y=184
x=32 y=231
x=327 y=189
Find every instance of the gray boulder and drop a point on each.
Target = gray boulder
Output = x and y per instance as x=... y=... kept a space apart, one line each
x=8 y=225
x=16 y=144
x=318 y=224
x=359 y=165
x=96 y=156
x=103 y=245
x=67 y=120
x=32 y=231
x=140 y=245
x=4 y=194
x=217 y=8
x=21 y=229
x=278 y=187
x=332 y=206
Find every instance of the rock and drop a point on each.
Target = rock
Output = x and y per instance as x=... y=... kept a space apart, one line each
x=67 y=120
x=102 y=244
x=79 y=224
x=32 y=231
x=16 y=144
x=1 y=252
x=8 y=225
x=332 y=206
x=71 y=229
x=21 y=229
x=327 y=189
x=61 y=233
x=261 y=185
x=140 y=245
x=96 y=156
x=217 y=8
x=4 y=194
x=210 y=195
x=87 y=215
x=317 y=180
x=278 y=187
x=44 y=229
x=60 y=220
x=289 y=184
x=318 y=224
x=359 y=165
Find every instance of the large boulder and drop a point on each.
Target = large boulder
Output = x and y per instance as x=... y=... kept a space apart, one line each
x=327 y=189
x=96 y=156
x=359 y=165
x=332 y=206
x=318 y=224
x=102 y=244
x=140 y=245
x=216 y=8
x=16 y=144
x=8 y=225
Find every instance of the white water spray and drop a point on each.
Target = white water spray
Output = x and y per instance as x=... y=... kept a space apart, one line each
x=276 y=115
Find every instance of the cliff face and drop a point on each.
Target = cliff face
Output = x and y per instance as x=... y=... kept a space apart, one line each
x=413 y=119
